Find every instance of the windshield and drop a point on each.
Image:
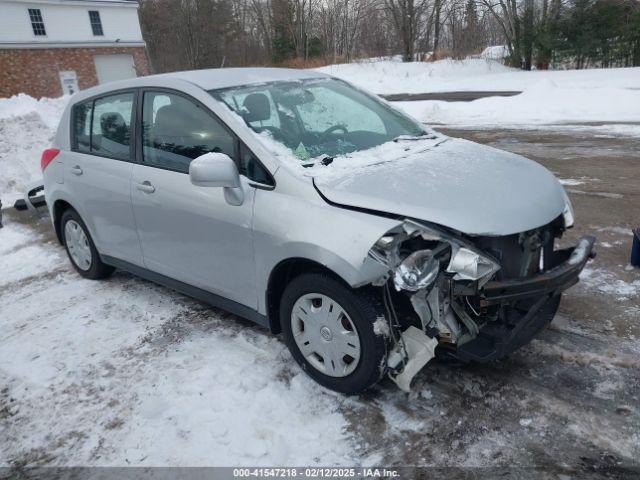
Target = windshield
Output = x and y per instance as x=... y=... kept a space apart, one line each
x=318 y=118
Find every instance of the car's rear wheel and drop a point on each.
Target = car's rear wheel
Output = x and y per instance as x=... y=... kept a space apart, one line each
x=80 y=247
x=329 y=329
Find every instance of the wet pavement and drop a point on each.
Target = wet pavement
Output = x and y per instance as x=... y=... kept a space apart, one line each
x=462 y=96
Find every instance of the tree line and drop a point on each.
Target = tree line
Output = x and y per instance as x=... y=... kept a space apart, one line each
x=193 y=34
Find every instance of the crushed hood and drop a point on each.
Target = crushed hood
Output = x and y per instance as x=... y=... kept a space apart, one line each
x=472 y=188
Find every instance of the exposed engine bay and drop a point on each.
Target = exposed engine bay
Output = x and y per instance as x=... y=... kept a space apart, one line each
x=469 y=298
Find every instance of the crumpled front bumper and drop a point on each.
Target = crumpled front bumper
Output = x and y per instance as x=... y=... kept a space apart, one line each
x=566 y=267
x=539 y=295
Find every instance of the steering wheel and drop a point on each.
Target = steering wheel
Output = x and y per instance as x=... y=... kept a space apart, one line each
x=334 y=128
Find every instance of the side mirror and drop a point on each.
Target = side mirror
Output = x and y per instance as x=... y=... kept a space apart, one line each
x=217 y=170
x=214 y=170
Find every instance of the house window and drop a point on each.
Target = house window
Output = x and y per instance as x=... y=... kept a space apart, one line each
x=35 y=15
x=96 y=24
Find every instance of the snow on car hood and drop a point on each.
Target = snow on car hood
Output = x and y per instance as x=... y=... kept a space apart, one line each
x=460 y=184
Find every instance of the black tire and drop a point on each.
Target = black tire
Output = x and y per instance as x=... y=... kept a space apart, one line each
x=97 y=269
x=364 y=307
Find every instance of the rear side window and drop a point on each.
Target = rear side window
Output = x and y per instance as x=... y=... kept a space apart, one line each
x=103 y=126
x=176 y=130
x=111 y=126
x=82 y=126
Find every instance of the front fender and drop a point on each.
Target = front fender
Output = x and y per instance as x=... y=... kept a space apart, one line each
x=288 y=227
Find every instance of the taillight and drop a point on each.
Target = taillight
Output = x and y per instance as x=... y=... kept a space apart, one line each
x=48 y=155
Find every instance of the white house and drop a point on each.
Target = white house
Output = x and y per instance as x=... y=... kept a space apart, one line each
x=48 y=47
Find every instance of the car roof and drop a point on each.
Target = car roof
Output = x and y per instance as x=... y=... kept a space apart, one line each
x=210 y=79
x=215 y=78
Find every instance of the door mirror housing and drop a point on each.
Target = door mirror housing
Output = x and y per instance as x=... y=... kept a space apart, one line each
x=214 y=169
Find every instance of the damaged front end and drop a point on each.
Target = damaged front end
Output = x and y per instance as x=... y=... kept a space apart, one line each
x=476 y=298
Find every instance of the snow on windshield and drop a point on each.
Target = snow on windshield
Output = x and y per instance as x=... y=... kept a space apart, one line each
x=350 y=164
x=316 y=123
x=325 y=115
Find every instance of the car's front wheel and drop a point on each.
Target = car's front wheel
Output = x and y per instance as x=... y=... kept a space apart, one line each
x=329 y=329
x=80 y=247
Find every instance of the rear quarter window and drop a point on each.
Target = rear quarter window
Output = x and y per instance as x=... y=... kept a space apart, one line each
x=111 y=126
x=103 y=126
x=82 y=126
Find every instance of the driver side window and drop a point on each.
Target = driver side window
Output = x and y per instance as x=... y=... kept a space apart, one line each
x=329 y=109
x=175 y=130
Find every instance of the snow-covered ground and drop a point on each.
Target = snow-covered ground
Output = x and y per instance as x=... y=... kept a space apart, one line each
x=125 y=373
x=110 y=359
x=542 y=103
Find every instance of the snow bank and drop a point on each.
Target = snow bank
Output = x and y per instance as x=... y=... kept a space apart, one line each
x=48 y=109
x=477 y=74
x=542 y=103
x=27 y=127
x=390 y=76
x=496 y=52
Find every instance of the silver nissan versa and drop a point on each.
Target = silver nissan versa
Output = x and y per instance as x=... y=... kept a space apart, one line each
x=317 y=210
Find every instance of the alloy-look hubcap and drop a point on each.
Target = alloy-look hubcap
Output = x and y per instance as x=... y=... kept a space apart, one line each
x=325 y=335
x=78 y=245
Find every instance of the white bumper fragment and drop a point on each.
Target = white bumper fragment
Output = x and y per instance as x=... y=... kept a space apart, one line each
x=414 y=350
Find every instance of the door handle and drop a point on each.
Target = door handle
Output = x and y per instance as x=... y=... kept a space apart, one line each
x=76 y=170
x=146 y=187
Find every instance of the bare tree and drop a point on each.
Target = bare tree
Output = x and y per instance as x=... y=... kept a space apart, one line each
x=406 y=14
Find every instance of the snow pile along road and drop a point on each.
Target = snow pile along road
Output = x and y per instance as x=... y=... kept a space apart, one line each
x=542 y=103
x=473 y=74
x=27 y=127
x=392 y=76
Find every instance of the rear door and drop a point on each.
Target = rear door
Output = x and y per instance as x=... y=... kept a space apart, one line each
x=98 y=171
x=190 y=233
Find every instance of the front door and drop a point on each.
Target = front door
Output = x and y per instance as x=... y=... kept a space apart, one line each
x=190 y=233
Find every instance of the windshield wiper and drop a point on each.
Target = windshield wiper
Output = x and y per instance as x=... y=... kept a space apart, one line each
x=425 y=136
x=327 y=160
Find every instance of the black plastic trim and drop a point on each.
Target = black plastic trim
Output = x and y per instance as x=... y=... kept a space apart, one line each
x=189 y=290
x=261 y=186
x=562 y=276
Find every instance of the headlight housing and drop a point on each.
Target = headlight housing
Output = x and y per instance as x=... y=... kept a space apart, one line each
x=417 y=271
x=420 y=268
x=468 y=264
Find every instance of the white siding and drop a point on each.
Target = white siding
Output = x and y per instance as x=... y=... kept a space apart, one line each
x=68 y=22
